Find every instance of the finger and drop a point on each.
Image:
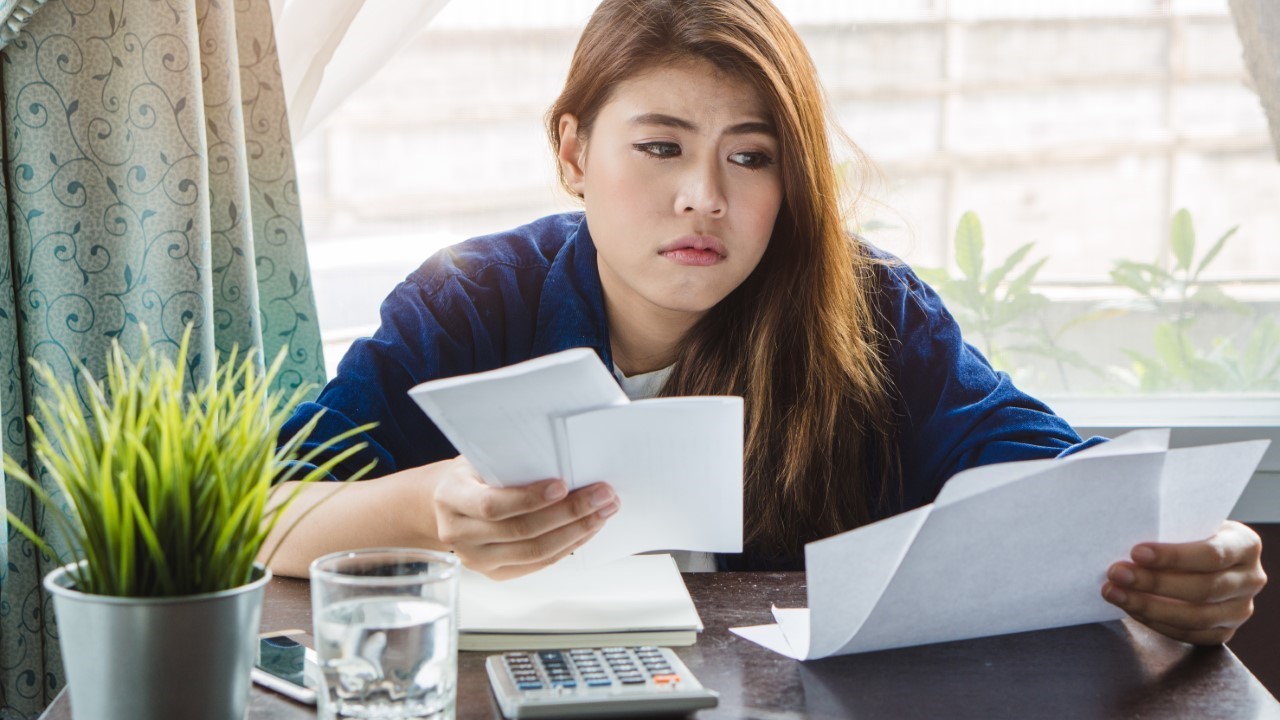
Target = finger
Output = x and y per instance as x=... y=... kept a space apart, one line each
x=1233 y=544
x=471 y=497
x=1176 y=613
x=540 y=549
x=507 y=572
x=578 y=505
x=1213 y=636
x=1191 y=587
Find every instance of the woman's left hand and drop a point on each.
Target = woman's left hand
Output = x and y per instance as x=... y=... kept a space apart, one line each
x=1197 y=592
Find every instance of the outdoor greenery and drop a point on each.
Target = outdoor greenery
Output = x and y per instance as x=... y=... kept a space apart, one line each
x=1191 y=348
x=168 y=491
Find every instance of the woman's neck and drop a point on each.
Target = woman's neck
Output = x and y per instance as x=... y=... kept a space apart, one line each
x=642 y=336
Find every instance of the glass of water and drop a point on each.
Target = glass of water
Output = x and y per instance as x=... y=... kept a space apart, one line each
x=386 y=632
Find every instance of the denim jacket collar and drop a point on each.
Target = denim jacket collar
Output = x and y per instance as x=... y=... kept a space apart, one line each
x=571 y=313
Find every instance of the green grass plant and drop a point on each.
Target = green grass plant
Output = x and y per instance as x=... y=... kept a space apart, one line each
x=169 y=491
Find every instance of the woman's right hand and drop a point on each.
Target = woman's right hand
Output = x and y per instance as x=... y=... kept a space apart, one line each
x=508 y=532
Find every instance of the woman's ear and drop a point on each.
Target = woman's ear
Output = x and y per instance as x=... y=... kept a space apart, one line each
x=572 y=155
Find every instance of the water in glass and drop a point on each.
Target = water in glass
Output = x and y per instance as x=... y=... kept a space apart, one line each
x=387 y=657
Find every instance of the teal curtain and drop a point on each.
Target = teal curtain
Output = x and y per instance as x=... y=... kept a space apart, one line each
x=149 y=181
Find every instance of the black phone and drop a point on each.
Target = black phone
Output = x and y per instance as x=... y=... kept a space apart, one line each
x=282 y=664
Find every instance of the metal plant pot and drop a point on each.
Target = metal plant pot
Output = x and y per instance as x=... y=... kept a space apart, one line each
x=158 y=658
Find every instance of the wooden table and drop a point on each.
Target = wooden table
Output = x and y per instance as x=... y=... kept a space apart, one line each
x=1111 y=670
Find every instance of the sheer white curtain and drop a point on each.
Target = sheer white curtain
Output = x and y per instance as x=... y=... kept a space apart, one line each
x=1258 y=22
x=328 y=48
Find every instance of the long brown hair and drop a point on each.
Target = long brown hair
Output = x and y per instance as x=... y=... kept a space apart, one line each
x=798 y=338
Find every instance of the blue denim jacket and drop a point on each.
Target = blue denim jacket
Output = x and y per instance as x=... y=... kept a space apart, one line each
x=499 y=299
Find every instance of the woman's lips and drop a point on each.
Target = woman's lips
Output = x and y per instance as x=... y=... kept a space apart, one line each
x=691 y=256
x=697 y=250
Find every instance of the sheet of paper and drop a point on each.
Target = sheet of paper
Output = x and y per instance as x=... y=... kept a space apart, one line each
x=1013 y=547
x=676 y=465
x=503 y=420
x=1200 y=486
x=638 y=593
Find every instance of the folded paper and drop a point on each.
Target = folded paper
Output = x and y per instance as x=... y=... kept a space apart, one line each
x=1008 y=548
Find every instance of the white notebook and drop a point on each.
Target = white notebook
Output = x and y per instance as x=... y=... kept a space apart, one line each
x=675 y=463
x=640 y=600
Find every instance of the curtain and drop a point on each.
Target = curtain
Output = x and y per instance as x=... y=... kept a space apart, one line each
x=1258 y=24
x=328 y=48
x=149 y=181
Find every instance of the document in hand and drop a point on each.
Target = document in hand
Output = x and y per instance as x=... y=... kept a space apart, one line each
x=1008 y=548
x=640 y=600
x=675 y=463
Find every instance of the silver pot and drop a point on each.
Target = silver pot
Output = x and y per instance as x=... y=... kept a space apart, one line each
x=158 y=658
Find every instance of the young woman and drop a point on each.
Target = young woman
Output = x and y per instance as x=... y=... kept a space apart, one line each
x=711 y=258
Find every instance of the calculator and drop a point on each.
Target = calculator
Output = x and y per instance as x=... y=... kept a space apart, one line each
x=595 y=682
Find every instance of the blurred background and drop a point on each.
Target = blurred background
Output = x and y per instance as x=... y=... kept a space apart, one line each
x=1063 y=173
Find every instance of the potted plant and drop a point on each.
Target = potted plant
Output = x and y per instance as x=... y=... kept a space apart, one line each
x=168 y=501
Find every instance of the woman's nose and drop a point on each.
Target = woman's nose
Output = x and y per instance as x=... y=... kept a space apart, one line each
x=702 y=193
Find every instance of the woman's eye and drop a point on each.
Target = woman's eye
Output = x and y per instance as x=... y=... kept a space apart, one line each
x=659 y=149
x=751 y=160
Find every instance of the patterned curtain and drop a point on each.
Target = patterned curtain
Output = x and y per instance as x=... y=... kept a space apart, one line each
x=149 y=181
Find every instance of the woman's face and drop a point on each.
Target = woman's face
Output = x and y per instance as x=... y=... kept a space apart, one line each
x=681 y=182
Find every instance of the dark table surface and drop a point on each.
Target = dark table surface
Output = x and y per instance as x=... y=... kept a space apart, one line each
x=1110 y=670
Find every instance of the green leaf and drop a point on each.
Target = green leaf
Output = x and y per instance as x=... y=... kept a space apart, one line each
x=1128 y=277
x=1168 y=343
x=934 y=277
x=1183 y=238
x=1213 y=252
x=1263 y=344
x=997 y=276
x=1022 y=283
x=969 y=246
x=1213 y=296
x=1090 y=317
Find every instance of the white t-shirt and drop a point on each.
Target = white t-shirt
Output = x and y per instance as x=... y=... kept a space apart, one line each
x=643 y=387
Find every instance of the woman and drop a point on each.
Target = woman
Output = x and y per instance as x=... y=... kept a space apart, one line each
x=711 y=259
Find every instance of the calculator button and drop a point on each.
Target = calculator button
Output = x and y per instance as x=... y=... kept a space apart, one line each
x=631 y=680
x=665 y=679
x=565 y=683
x=530 y=685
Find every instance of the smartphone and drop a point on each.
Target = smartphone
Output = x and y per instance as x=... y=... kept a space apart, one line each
x=286 y=663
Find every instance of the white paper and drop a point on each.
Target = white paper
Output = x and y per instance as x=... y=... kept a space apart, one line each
x=675 y=463
x=676 y=466
x=636 y=594
x=502 y=421
x=1011 y=548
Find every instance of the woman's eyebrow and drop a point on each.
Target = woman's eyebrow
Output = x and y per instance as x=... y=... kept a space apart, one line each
x=664 y=120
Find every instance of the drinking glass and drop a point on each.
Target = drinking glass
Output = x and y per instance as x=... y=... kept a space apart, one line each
x=386 y=632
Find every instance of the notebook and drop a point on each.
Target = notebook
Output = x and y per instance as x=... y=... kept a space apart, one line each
x=635 y=601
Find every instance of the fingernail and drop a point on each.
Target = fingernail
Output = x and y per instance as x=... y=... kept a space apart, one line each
x=556 y=490
x=1121 y=575
x=1116 y=595
x=601 y=497
x=608 y=511
x=1144 y=554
